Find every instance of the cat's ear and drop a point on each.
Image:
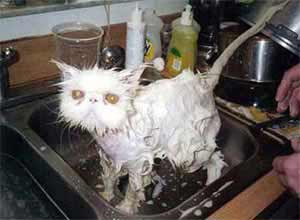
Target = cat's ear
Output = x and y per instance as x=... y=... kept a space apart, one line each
x=132 y=76
x=67 y=70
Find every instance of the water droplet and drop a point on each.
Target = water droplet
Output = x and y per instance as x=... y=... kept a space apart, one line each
x=197 y=212
x=183 y=184
x=150 y=202
x=164 y=204
x=208 y=204
x=99 y=186
x=43 y=148
x=21 y=203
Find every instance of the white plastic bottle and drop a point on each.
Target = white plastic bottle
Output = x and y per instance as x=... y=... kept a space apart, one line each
x=153 y=28
x=135 y=40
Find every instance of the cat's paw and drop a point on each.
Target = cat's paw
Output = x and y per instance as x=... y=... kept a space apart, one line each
x=107 y=195
x=128 y=206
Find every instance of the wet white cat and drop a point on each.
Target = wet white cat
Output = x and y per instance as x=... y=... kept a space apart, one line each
x=171 y=118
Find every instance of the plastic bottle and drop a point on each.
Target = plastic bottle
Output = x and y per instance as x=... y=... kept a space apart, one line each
x=182 y=51
x=135 y=40
x=153 y=28
x=188 y=8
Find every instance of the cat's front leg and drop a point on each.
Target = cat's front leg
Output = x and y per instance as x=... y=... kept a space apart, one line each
x=135 y=193
x=109 y=182
x=110 y=177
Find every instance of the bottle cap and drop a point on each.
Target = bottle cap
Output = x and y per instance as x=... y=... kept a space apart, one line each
x=187 y=16
x=137 y=15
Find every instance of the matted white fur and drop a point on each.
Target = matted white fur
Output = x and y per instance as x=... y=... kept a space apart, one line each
x=173 y=118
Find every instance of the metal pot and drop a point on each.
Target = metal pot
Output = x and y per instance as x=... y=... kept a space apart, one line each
x=283 y=27
x=259 y=59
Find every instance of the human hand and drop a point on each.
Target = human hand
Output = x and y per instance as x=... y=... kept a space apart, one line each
x=288 y=171
x=296 y=144
x=288 y=92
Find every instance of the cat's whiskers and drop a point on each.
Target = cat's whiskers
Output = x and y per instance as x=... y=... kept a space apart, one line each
x=64 y=127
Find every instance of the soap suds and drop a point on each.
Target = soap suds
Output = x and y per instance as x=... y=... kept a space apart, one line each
x=208 y=204
x=198 y=212
x=150 y=202
x=225 y=185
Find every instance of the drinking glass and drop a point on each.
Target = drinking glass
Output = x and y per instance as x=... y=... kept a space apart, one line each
x=78 y=44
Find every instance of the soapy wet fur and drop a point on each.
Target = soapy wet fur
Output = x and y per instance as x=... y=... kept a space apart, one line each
x=174 y=119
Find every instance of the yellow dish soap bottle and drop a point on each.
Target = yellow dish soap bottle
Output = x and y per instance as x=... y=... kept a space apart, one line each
x=182 y=53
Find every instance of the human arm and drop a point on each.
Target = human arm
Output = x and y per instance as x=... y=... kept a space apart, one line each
x=288 y=96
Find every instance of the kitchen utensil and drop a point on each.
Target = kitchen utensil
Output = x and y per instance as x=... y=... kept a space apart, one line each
x=247 y=93
x=252 y=75
x=273 y=122
x=259 y=59
x=112 y=56
x=78 y=44
x=284 y=26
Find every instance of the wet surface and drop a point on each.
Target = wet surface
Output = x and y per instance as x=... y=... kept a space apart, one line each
x=78 y=149
x=20 y=197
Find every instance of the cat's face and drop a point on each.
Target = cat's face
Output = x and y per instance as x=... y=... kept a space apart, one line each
x=97 y=99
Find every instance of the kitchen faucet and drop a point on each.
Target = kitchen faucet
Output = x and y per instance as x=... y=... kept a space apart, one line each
x=7 y=57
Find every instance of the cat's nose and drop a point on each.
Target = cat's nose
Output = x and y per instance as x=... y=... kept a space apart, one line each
x=93 y=100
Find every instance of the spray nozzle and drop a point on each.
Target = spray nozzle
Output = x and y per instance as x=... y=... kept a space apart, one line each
x=187 y=15
x=188 y=8
x=137 y=15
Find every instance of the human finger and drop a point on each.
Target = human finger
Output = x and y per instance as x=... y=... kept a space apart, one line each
x=289 y=77
x=278 y=164
x=293 y=183
x=282 y=179
x=288 y=171
x=292 y=180
x=283 y=105
x=295 y=103
x=287 y=164
x=296 y=144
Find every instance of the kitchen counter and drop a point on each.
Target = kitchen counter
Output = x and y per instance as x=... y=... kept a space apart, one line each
x=248 y=204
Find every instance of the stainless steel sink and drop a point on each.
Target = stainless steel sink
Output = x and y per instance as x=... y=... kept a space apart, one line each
x=21 y=195
x=66 y=164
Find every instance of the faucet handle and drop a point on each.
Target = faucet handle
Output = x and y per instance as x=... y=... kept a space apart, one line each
x=7 y=56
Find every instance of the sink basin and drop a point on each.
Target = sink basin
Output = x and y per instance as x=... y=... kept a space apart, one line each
x=70 y=156
x=21 y=195
x=78 y=150
x=31 y=176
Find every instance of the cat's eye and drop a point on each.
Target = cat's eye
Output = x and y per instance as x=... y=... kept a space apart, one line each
x=112 y=98
x=77 y=94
